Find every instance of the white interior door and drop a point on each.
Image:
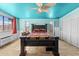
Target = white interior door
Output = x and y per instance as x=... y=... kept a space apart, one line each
x=68 y=30
x=74 y=32
x=78 y=32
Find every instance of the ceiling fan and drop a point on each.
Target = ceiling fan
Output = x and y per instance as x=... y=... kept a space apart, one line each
x=43 y=7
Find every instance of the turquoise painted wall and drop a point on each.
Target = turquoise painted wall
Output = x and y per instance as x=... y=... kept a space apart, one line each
x=34 y=21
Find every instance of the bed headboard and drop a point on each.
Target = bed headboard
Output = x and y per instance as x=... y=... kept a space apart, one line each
x=34 y=26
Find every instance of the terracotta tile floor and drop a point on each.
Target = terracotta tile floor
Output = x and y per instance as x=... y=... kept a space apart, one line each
x=13 y=49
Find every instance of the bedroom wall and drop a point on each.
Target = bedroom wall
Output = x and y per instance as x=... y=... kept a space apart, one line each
x=4 y=14
x=17 y=21
x=70 y=27
x=37 y=21
x=33 y=21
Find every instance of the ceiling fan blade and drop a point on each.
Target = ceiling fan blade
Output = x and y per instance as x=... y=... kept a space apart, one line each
x=38 y=12
x=50 y=4
x=39 y=4
x=46 y=10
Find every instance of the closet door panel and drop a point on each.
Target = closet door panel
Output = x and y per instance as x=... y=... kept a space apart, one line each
x=74 y=32
x=78 y=32
x=68 y=30
x=64 y=30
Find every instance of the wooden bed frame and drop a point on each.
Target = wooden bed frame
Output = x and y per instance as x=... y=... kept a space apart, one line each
x=52 y=43
x=39 y=28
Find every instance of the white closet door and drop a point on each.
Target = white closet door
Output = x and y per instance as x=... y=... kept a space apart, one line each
x=74 y=32
x=78 y=32
x=68 y=30
x=76 y=29
x=64 y=29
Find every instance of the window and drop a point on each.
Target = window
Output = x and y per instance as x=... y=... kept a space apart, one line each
x=1 y=23
x=7 y=24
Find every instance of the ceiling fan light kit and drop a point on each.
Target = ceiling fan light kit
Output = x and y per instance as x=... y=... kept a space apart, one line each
x=43 y=7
